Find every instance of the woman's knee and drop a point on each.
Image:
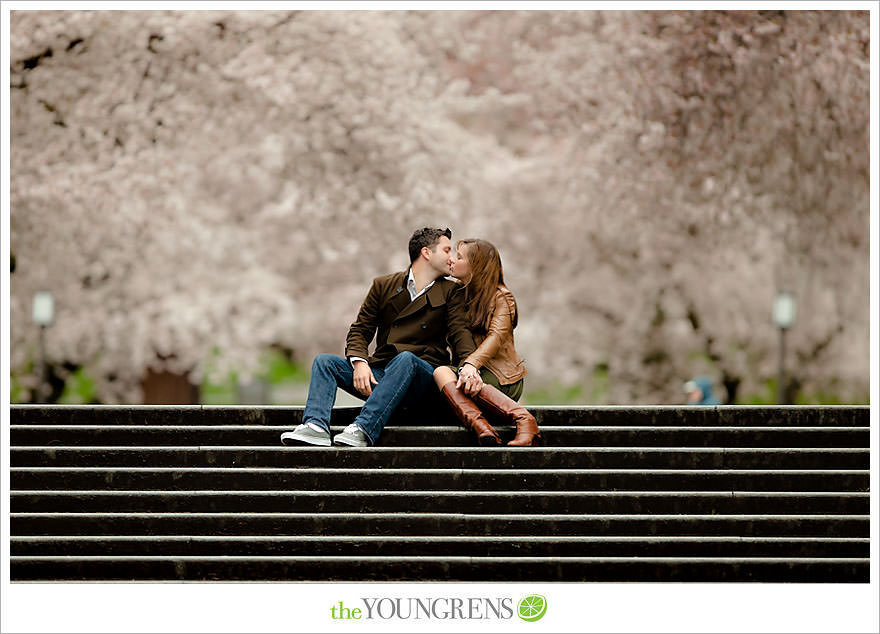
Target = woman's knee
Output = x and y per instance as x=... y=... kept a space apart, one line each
x=443 y=375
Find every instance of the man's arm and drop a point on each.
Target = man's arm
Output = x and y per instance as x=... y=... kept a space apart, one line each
x=458 y=334
x=461 y=339
x=362 y=331
x=363 y=378
x=360 y=334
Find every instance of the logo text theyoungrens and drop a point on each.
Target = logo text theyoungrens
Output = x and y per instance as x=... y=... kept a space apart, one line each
x=440 y=608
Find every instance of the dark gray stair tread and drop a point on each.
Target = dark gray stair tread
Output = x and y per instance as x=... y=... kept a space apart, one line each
x=723 y=416
x=194 y=415
x=669 y=493
x=504 y=502
x=440 y=436
x=558 y=546
x=447 y=457
x=775 y=416
x=434 y=524
x=190 y=415
x=234 y=478
x=531 y=569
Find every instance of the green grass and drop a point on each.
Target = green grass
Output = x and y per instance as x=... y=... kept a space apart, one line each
x=559 y=394
x=16 y=393
x=280 y=373
x=769 y=396
x=599 y=391
x=765 y=397
x=276 y=370
x=280 y=369
x=554 y=395
x=79 y=389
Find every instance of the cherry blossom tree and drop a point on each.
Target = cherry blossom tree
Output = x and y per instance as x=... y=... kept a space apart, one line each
x=699 y=163
x=195 y=181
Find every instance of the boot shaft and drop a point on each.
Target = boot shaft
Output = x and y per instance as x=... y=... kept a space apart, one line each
x=469 y=414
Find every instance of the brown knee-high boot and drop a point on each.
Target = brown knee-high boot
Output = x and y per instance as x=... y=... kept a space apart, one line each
x=498 y=403
x=470 y=415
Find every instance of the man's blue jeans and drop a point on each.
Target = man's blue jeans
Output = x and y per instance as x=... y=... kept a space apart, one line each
x=405 y=379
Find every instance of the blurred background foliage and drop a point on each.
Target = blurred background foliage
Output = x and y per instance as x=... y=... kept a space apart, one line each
x=207 y=194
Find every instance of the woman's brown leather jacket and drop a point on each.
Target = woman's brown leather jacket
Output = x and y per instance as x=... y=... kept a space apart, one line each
x=495 y=350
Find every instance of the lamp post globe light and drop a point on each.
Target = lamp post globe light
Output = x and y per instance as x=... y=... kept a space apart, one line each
x=783 y=318
x=44 y=308
x=783 y=310
x=43 y=315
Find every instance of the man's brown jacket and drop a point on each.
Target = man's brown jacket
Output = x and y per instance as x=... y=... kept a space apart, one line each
x=422 y=326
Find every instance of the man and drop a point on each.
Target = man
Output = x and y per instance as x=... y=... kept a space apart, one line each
x=413 y=315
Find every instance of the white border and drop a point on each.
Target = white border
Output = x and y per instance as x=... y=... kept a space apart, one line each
x=299 y=607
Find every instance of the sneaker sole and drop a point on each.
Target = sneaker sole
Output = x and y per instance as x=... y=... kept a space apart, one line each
x=349 y=443
x=294 y=439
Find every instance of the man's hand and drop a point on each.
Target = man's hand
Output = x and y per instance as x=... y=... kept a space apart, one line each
x=469 y=380
x=363 y=378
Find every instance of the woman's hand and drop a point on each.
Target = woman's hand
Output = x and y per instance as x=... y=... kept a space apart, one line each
x=469 y=380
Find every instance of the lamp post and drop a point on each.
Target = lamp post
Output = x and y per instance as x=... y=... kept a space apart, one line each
x=43 y=315
x=783 y=318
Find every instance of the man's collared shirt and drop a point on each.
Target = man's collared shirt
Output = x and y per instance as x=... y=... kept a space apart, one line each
x=411 y=286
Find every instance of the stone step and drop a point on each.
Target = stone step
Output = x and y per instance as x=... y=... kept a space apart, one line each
x=170 y=493
x=443 y=436
x=575 y=416
x=446 y=457
x=488 y=502
x=434 y=524
x=471 y=546
x=500 y=502
x=441 y=568
x=238 y=479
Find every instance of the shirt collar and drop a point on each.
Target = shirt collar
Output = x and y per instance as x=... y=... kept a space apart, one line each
x=411 y=286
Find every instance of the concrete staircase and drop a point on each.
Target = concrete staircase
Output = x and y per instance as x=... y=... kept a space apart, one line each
x=766 y=494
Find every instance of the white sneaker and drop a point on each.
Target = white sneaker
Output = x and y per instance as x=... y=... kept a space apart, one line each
x=352 y=436
x=308 y=434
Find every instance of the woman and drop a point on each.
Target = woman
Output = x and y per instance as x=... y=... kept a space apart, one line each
x=491 y=313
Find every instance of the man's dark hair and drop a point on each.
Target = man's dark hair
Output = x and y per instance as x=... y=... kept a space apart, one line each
x=427 y=237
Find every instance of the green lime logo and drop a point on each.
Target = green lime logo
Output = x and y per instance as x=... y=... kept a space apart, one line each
x=532 y=608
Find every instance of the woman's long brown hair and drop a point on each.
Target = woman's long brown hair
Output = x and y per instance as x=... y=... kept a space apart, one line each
x=486 y=276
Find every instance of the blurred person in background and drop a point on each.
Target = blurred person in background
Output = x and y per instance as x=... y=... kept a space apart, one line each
x=700 y=392
x=491 y=316
x=414 y=315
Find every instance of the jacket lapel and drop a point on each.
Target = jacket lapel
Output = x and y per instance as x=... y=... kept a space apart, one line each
x=414 y=305
x=434 y=296
x=399 y=296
